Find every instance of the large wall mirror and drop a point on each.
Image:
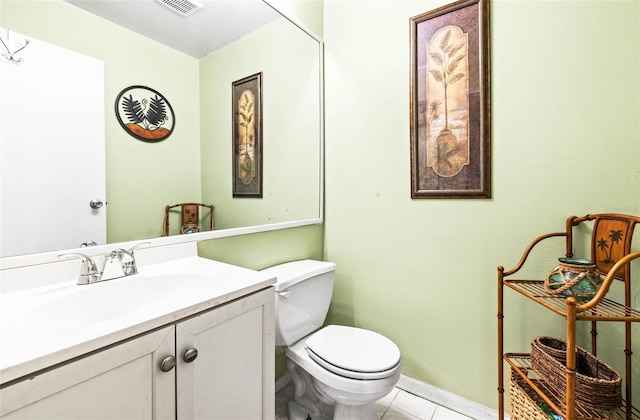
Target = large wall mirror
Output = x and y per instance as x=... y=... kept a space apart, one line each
x=194 y=164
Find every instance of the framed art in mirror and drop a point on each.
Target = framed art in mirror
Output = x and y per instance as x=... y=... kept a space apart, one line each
x=247 y=136
x=450 y=102
x=145 y=113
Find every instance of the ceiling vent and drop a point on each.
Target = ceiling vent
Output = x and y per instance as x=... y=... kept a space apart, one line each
x=184 y=7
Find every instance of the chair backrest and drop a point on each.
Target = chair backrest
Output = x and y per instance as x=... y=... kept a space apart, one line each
x=611 y=240
x=189 y=217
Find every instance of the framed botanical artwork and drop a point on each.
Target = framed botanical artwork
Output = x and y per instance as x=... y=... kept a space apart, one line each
x=450 y=102
x=145 y=114
x=247 y=136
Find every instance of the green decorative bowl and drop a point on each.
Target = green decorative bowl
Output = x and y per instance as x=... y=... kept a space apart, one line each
x=574 y=277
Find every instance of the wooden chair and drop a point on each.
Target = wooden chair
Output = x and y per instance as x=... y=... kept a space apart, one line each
x=189 y=217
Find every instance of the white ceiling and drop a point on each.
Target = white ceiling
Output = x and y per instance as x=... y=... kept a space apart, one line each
x=218 y=23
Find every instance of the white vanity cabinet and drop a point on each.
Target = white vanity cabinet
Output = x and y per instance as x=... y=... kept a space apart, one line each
x=121 y=382
x=232 y=376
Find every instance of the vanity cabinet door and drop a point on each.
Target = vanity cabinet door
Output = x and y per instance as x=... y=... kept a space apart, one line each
x=122 y=382
x=232 y=376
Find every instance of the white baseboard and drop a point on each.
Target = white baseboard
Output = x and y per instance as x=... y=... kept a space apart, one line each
x=435 y=395
x=447 y=399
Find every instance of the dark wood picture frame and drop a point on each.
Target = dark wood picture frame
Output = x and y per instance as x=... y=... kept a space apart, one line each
x=450 y=102
x=247 y=136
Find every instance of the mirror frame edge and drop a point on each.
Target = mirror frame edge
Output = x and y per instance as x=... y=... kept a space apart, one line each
x=52 y=256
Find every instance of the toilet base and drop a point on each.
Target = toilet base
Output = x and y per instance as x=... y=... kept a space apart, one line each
x=311 y=400
x=307 y=402
x=360 y=412
x=342 y=412
x=296 y=412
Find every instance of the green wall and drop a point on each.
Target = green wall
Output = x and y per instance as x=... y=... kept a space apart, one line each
x=566 y=140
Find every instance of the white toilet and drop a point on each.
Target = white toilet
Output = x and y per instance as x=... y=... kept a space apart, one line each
x=338 y=372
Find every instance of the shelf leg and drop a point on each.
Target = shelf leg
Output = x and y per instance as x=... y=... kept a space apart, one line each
x=500 y=344
x=628 y=370
x=571 y=358
x=627 y=345
x=594 y=338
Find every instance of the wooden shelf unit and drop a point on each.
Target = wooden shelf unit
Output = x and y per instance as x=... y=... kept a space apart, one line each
x=598 y=309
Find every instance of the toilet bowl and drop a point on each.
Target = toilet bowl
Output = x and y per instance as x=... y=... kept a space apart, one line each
x=351 y=369
x=339 y=372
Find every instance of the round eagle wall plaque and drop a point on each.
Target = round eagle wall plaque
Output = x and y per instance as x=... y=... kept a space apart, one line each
x=145 y=113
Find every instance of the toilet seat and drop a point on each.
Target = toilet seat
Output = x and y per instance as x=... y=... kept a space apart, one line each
x=353 y=352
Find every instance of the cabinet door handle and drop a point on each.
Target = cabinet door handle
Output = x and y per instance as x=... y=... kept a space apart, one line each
x=168 y=363
x=190 y=355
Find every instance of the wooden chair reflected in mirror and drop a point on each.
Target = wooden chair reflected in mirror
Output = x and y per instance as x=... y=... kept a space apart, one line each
x=190 y=221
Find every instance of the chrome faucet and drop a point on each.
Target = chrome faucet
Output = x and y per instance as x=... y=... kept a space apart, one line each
x=88 y=270
x=118 y=263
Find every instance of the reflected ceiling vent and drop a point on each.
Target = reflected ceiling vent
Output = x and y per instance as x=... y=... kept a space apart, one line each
x=184 y=7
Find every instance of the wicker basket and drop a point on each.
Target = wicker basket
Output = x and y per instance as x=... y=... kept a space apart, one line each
x=598 y=385
x=524 y=400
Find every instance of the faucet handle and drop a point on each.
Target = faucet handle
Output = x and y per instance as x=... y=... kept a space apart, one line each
x=129 y=262
x=88 y=271
x=133 y=248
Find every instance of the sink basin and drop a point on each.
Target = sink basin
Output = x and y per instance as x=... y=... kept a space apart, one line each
x=114 y=299
x=73 y=305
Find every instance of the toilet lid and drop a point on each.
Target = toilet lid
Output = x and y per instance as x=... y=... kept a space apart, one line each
x=353 y=352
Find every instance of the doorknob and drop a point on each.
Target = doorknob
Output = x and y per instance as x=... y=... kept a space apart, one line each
x=96 y=204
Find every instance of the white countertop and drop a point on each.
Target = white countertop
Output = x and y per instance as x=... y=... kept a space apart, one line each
x=55 y=321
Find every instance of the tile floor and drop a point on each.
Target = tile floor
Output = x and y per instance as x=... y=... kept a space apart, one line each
x=397 y=405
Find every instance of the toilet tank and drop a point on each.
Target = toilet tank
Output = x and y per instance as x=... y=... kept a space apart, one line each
x=303 y=294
